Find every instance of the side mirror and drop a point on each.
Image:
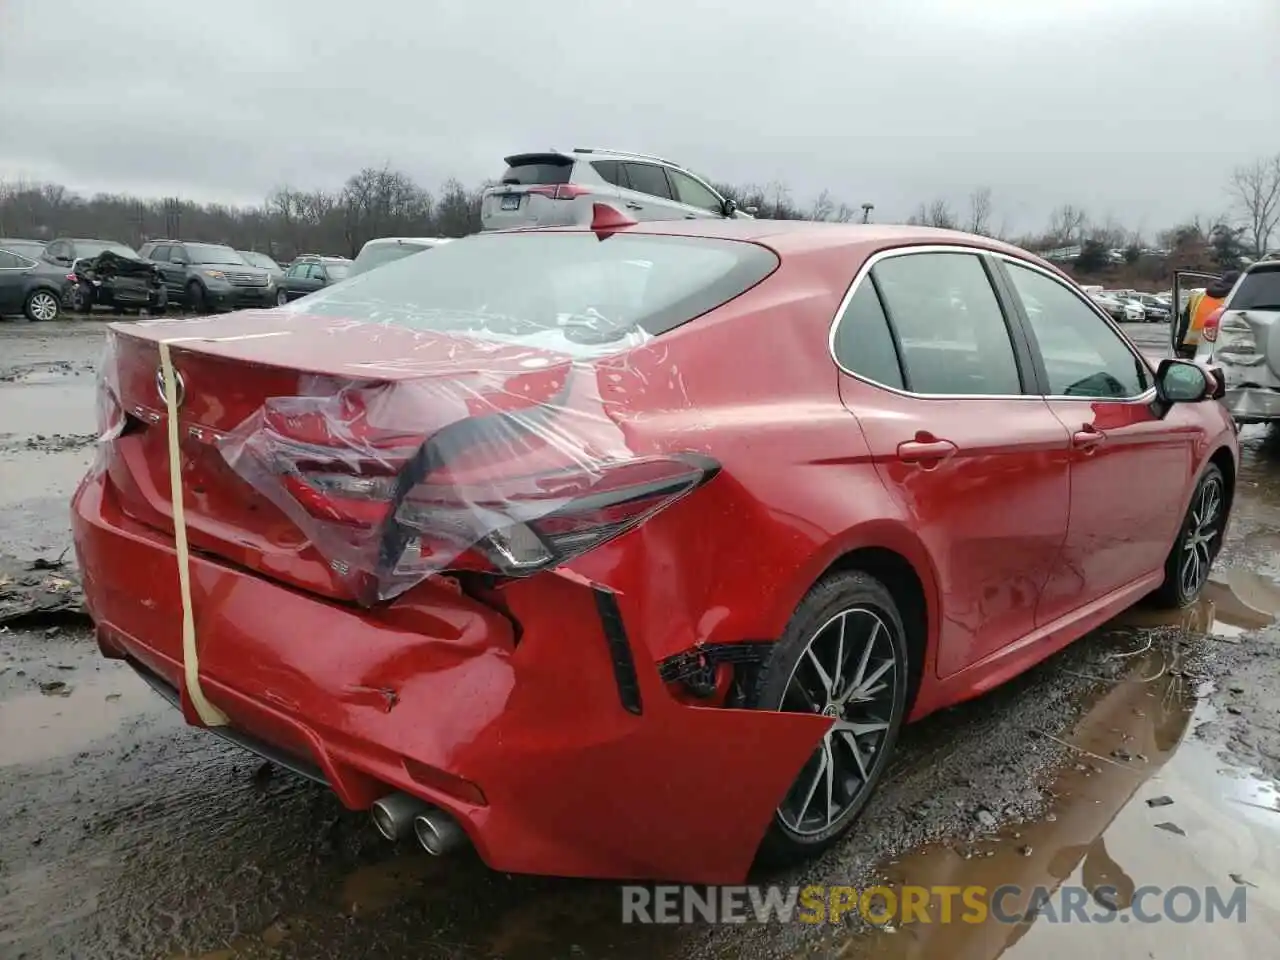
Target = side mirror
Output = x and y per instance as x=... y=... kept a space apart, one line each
x=1181 y=381
x=179 y=261
x=729 y=207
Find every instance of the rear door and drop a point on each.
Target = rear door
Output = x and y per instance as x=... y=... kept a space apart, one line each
x=942 y=383
x=650 y=196
x=1130 y=468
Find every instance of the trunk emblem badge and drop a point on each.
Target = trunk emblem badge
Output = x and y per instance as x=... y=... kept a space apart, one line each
x=179 y=387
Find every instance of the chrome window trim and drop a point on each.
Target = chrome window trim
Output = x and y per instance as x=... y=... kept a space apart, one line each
x=976 y=251
x=21 y=257
x=1147 y=395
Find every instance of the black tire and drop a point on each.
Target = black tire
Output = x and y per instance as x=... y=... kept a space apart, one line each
x=42 y=305
x=195 y=297
x=789 y=681
x=282 y=298
x=1198 y=534
x=80 y=298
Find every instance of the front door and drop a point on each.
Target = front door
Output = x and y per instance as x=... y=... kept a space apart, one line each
x=978 y=464
x=1129 y=466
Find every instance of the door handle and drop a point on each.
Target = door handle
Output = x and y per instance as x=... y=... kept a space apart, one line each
x=1087 y=437
x=691 y=216
x=925 y=448
x=634 y=206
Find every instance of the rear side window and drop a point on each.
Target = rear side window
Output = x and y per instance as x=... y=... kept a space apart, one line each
x=953 y=334
x=11 y=261
x=648 y=178
x=566 y=292
x=610 y=171
x=864 y=343
x=1259 y=290
x=536 y=171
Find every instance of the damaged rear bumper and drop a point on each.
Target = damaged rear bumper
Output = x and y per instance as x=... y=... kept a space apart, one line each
x=559 y=753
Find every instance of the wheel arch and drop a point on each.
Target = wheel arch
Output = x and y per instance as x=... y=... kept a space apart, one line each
x=1224 y=460
x=896 y=557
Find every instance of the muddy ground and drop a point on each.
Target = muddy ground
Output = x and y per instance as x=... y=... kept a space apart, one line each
x=127 y=835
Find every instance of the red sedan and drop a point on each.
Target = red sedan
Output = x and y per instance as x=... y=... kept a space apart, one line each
x=627 y=551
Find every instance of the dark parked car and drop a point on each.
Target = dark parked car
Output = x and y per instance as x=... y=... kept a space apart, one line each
x=209 y=276
x=65 y=251
x=31 y=287
x=32 y=249
x=307 y=276
x=119 y=282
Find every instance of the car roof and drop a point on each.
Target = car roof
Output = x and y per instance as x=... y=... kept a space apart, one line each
x=389 y=241
x=804 y=236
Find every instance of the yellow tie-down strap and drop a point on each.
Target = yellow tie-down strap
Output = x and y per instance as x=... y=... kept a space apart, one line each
x=210 y=715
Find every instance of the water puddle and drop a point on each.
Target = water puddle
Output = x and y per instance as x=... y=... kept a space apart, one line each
x=1139 y=807
x=1234 y=602
x=70 y=714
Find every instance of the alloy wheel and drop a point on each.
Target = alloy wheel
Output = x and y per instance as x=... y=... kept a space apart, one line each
x=849 y=671
x=1202 y=538
x=43 y=306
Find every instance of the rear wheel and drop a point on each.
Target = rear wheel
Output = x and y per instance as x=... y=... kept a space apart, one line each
x=843 y=655
x=42 y=305
x=281 y=298
x=1199 y=540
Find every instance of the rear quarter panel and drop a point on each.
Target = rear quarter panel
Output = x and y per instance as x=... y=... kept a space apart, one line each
x=753 y=386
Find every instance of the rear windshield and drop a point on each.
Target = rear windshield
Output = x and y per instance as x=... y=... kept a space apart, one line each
x=538 y=171
x=88 y=249
x=569 y=292
x=1259 y=290
x=337 y=271
x=375 y=256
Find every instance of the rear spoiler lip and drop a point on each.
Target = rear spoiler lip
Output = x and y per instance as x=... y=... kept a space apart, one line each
x=547 y=156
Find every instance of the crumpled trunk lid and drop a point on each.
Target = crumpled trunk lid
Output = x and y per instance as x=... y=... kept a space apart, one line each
x=270 y=401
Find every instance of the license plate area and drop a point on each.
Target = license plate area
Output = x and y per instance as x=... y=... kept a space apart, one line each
x=510 y=201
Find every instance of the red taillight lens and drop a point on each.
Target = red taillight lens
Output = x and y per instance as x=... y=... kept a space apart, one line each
x=1210 y=330
x=560 y=191
x=513 y=527
x=72 y=277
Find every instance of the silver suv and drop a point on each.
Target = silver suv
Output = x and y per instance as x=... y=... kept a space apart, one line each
x=556 y=189
x=1243 y=340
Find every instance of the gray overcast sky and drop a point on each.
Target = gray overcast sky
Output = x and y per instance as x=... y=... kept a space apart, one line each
x=888 y=101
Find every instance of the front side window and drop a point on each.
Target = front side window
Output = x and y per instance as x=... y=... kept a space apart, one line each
x=160 y=254
x=950 y=327
x=1082 y=355
x=690 y=191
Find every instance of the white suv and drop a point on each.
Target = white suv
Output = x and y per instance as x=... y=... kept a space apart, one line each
x=556 y=189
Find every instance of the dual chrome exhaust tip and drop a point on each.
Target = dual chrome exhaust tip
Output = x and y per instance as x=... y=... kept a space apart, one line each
x=399 y=815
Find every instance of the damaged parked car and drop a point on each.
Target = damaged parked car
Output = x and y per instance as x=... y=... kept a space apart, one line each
x=628 y=550
x=118 y=282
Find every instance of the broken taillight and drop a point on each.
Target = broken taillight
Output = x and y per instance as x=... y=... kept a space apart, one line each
x=512 y=527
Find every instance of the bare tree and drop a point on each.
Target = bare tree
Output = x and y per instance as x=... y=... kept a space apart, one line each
x=823 y=206
x=1067 y=225
x=1256 y=191
x=980 y=211
x=938 y=213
